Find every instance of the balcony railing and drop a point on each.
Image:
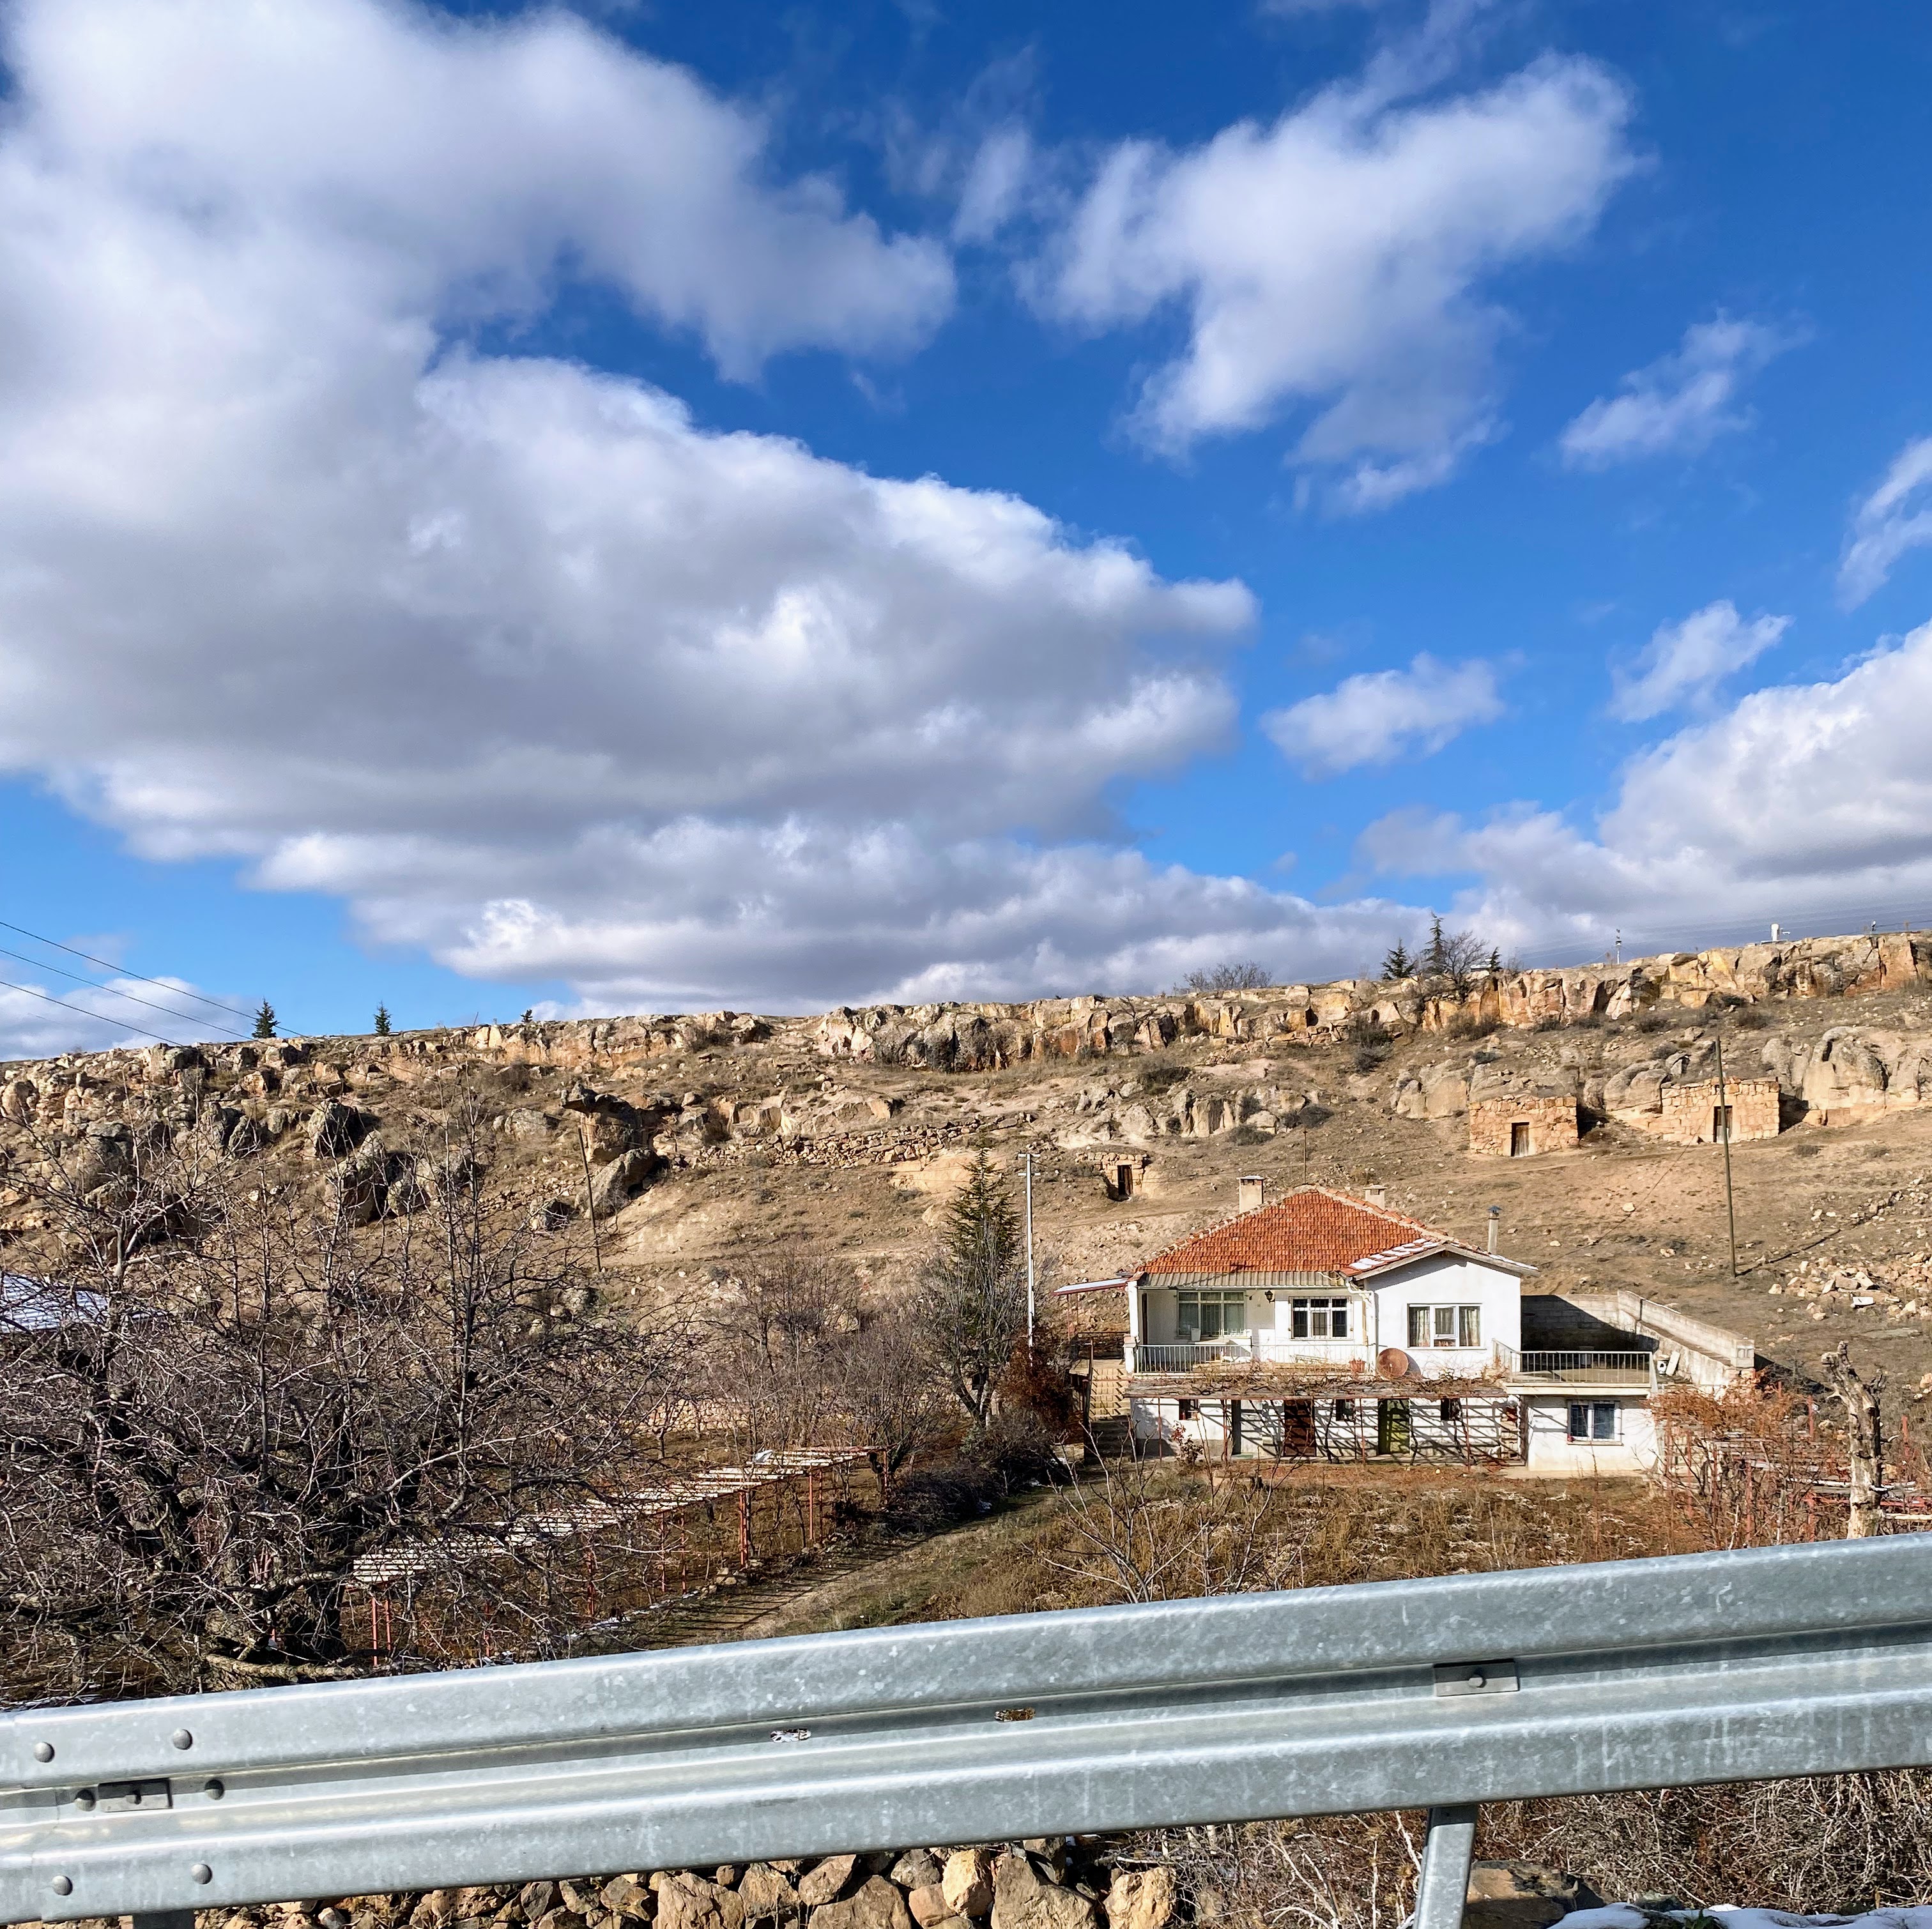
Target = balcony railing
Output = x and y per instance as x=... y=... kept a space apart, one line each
x=1587 y=1368
x=1265 y=1347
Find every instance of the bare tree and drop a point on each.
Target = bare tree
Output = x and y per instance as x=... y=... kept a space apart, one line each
x=970 y=1300
x=774 y=1350
x=1864 y=1440
x=233 y=1419
x=1235 y=975
x=892 y=1402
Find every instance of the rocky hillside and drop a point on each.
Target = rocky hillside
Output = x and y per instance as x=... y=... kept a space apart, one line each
x=712 y=1139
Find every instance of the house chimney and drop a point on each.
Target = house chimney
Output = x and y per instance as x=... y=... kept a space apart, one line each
x=1376 y=1195
x=1495 y=1226
x=1253 y=1187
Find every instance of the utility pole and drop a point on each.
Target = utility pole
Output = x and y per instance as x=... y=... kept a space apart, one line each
x=1724 y=1128
x=1028 y=1157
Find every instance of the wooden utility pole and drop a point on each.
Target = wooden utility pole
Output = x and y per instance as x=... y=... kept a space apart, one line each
x=1724 y=1126
x=1864 y=1443
x=590 y=1199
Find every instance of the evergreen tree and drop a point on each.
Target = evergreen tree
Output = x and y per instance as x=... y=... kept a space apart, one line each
x=1435 y=959
x=972 y=1293
x=382 y=1021
x=1495 y=965
x=529 y=1016
x=1398 y=964
x=264 y=1020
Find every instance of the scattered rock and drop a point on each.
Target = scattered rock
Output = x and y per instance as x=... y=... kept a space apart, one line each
x=1142 y=1899
x=1522 y=1895
x=875 y=1904
x=1022 y=1900
x=766 y=1890
x=822 y=1883
x=917 y=1868
x=967 y=1882
x=691 y=1902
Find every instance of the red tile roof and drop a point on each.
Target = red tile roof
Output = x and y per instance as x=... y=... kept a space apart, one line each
x=1311 y=1230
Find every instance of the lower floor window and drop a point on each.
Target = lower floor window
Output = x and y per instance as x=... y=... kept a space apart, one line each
x=1321 y=1319
x=1212 y=1316
x=1593 y=1420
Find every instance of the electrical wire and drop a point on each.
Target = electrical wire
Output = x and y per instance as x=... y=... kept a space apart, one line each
x=107 y=964
x=110 y=989
x=27 y=991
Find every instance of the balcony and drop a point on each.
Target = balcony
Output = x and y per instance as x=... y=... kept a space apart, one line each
x=1265 y=1347
x=1588 y=1368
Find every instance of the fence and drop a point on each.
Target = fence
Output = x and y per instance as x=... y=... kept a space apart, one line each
x=1752 y=1664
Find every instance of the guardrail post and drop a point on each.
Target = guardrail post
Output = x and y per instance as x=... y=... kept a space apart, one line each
x=164 y=1918
x=1447 y=1852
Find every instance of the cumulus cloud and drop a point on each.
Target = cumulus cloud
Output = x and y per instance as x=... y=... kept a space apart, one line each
x=527 y=666
x=41 y=1016
x=1335 y=261
x=1685 y=662
x=1802 y=801
x=1383 y=714
x=1893 y=520
x=1680 y=403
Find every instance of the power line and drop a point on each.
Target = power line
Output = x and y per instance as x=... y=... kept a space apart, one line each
x=38 y=965
x=108 y=965
x=140 y=1031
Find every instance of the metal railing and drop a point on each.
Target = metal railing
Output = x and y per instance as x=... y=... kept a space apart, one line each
x=1587 y=1368
x=1265 y=1347
x=1752 y=1664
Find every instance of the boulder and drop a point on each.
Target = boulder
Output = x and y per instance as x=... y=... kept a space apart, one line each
x=928 y=1906
x=1523 y=1895
x=1142 y=1899
x=1433 y=1091
x=766 y=1891
x=967 y=1882
x=335 y=1130
x=615 y=1185
x=875 y=1904
x=918 y=1868
x=690 y=1902
x=820 y=1884
x=1021 y=1900
x=626 y=1895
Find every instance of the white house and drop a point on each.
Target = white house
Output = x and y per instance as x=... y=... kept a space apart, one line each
x=1326 y=1326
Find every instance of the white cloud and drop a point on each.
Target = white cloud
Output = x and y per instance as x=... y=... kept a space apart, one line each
x=1685 y=662
x=1801 y=801
x=41 y=1016
x=1885 y=526
x=1383 y=714
x=518 y=660
x=1335 y=259
x=1681 y=403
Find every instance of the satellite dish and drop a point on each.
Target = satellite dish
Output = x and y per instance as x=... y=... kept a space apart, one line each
x=1392 y=1363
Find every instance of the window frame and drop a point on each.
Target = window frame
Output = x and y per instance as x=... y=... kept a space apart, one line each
x=1464 y=1329
x=1596 y=1413
x=1302 y=1312
x=1222 y=1299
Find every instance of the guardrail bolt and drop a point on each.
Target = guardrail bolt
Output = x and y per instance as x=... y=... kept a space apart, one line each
x=43 y=1751
x=181 y=1738
x=62 y=1884
x=201 y=1872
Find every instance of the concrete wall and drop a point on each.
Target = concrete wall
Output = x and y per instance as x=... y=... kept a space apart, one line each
x=1551 y=1450
x=1551 y=1122
x=1710 y=1357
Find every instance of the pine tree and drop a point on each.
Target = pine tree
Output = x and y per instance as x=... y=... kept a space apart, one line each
x=1495 y=965
x=1398 y=964
x=972 y=1295
x=264 y=1020
x=1435 y=959
x=382 y=1021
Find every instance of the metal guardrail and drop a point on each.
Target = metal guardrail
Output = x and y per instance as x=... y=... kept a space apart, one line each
x=1756 y=1663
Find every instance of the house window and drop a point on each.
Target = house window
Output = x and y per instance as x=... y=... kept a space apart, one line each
x=1188 y=1408
x=1321 y=1319
x=1344 y=1411
x=1452 y=1412
x=1445 y=1326
x=1593 y=1419
x=1210 y=1316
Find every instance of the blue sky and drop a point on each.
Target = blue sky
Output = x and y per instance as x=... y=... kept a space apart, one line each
x=639 y=508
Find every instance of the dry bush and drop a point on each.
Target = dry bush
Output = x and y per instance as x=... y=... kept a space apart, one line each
x=229 y=1414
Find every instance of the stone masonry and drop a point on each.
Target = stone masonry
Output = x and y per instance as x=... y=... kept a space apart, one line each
x=1519 y=1124
x=1689 y=1114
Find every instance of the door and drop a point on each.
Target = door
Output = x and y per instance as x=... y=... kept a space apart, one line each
x=1392 y=1427
x=1519 y=1139
x=1297 y=1429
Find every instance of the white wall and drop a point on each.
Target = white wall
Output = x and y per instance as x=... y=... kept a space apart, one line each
x=1552 y=1451
x=1450 y=1279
